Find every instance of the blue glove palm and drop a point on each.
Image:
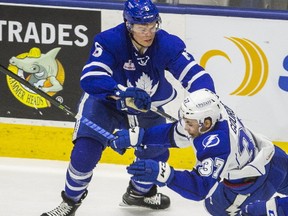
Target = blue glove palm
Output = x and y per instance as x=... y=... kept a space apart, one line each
x=132 y=100
x=127 y=138
x=159 y=173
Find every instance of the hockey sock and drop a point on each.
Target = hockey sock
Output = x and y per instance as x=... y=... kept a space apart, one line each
x=84 y=157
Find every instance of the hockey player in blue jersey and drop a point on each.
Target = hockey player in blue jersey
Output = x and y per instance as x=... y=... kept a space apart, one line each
x=234 y=167
x=134 y=54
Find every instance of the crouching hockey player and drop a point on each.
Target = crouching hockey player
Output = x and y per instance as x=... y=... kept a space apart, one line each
x=235 y=166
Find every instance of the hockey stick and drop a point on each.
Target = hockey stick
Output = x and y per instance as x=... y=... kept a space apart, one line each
x=130 y=103
x=163 y=114
x=56 y=103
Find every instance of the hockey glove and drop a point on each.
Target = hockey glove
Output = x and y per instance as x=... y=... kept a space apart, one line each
x=127 y=138
x=132 y=100
x=159 y=173
x=260 y=208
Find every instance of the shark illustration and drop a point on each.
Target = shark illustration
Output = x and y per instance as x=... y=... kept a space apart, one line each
x=42 y=69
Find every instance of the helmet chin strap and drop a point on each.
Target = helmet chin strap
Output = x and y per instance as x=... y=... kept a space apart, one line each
x=201 y=125
x=133 y=39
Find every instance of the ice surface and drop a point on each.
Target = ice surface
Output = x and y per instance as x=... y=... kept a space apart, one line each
x=29 y=187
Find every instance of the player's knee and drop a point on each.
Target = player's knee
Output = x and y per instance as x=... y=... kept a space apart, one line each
x=86 y=154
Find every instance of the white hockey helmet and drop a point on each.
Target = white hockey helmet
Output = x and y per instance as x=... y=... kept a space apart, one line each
x=200 y=105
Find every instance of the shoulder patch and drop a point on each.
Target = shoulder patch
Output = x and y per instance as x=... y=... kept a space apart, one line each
x=211 y=141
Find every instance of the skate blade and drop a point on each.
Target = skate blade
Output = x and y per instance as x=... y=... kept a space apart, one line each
x=124 y=205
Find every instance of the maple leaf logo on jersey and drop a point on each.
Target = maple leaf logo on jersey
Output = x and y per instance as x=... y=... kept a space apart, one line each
x=145 y=82
x=210 y=141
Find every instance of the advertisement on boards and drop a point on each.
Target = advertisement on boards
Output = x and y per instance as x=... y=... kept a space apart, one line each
x=47 y=47
x=248 y=60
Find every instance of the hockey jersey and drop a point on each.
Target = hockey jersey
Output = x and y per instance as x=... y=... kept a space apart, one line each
x=115 y=60
x=230 y=151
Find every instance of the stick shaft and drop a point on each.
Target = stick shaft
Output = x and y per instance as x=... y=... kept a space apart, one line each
x=163 y=114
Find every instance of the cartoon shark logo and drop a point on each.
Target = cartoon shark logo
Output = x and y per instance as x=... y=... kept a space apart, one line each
x=42 y=70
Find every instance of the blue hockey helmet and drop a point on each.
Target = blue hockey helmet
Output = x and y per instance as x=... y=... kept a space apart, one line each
x=140 y=12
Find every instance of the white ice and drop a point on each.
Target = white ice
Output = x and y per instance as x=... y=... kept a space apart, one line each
x=29 y=187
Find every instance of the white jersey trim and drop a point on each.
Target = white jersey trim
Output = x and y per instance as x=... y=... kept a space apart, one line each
x=186 y=70
x=199 y=74
x=94 y=73
x=161 y=103
x=104 y=66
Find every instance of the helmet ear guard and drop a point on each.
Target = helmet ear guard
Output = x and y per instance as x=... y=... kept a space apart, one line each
x=128 y=26
x=201 y=105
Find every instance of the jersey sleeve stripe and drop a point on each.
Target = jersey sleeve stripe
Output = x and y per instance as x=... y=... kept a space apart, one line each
x=94 y=73
x=100 y=64
x=186 y=70
x=199 y=74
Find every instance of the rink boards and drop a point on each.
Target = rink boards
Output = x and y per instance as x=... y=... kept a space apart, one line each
x=46 y=142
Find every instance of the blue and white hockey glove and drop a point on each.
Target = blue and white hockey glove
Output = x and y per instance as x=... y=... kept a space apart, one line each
x=260 y=208
x=127 y=138
x=159 y=173
x=132 y=100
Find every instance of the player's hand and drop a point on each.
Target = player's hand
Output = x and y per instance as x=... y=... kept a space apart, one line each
x=260 y=208
x=127 y=138
x=254 y=208
x=159 y=173
x=132 y=100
